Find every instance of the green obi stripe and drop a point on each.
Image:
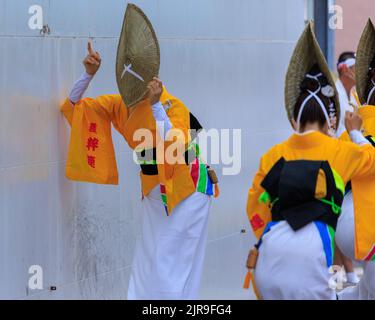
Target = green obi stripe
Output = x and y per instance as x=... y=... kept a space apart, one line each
x=202 y=182
x=164 y=198
x=339 y=181
x=146 y=162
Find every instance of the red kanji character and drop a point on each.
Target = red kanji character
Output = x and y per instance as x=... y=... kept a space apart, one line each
x=92 y=143
x=256 y=222
x=91 y=161
x=92 y=127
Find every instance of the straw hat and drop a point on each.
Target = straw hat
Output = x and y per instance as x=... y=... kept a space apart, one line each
x=365 y=53
x=306 y=53
x=138 y=56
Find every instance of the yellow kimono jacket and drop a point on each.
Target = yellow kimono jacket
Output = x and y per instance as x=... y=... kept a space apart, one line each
x=91 y=155
x=351 y=162
x=364 y=220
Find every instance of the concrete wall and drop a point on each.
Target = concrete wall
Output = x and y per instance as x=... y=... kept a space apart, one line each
x=225 y=59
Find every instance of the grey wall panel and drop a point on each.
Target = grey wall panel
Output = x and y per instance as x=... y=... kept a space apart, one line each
x=294 y=8
x=24 y=115
x=2 y=92
x=15 y=14
x=3 y=291
x=29 y=218
x=225 y=59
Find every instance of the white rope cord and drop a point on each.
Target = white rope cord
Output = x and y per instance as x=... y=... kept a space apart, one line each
x=128 y=68
x=321 y=104
x=371 y=92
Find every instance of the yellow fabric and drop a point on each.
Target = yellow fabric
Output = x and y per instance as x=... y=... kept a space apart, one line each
x=91 y=155
x=364 y=209
x=109 y=109
x=355 y=95
x=321 y=185
x=250 y=279
x=351 y=162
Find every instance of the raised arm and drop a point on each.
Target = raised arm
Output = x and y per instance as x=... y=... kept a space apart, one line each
x=109 y=107
x=92 y=64
x=360 y=160
x=155 y=90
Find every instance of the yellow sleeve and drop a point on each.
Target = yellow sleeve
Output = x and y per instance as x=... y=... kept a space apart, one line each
x=359 y=162
x=91 y=155
x=363 y=187
x=345 y=137
x=177 y=139
x=179 y=115
x=67 y=109
x=108 y=107
x=112 y=106
x=258 y=213
x=368 y=115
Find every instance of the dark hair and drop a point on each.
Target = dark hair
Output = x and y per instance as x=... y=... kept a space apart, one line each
x=370 y=76
x=312 y=111
x=344 y=56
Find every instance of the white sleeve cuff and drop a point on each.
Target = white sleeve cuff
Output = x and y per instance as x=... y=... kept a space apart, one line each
x=79 y=87
x=357 y=137
x=161 y=118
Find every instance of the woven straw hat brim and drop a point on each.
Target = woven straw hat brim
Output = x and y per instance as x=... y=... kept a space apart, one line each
x=139 y=48
x=365 y=53
x=306 y=53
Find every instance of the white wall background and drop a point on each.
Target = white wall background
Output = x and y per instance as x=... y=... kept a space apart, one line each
x=225 y=59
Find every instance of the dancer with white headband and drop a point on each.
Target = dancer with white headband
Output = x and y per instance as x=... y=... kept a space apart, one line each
x=348 y=231
x=296 y=195
x=345 y=86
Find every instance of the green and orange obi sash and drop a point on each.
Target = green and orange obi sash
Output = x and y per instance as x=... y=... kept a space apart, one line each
x=198 y=171
x=291 y=192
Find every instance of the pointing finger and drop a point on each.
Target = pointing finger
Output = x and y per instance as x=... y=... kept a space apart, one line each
x=89 y=48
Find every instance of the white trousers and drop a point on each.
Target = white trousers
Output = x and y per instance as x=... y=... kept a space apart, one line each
x=365 y=290
x=170 y=251
x=292 y=265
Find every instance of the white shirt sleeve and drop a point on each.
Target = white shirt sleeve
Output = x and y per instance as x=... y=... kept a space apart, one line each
x=357 y=137
x=79 y=87
x=161 y=118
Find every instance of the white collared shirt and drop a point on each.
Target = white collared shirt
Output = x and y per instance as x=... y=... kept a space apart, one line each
x=344 y=106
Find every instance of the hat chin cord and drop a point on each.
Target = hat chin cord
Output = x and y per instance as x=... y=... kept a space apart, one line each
x=320 y=102
x=371 y=92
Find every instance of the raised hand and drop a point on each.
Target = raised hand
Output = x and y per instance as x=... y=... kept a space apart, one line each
x=353 y=120
x=92 y=60
x=155 y=89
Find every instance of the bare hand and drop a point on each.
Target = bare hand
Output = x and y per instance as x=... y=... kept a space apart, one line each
x=92 y=60
x=353 y=121
x=155 y=89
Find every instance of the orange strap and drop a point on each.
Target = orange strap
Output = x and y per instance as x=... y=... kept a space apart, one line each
x=217 y=191
x=247 y=281
x=250 y=279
